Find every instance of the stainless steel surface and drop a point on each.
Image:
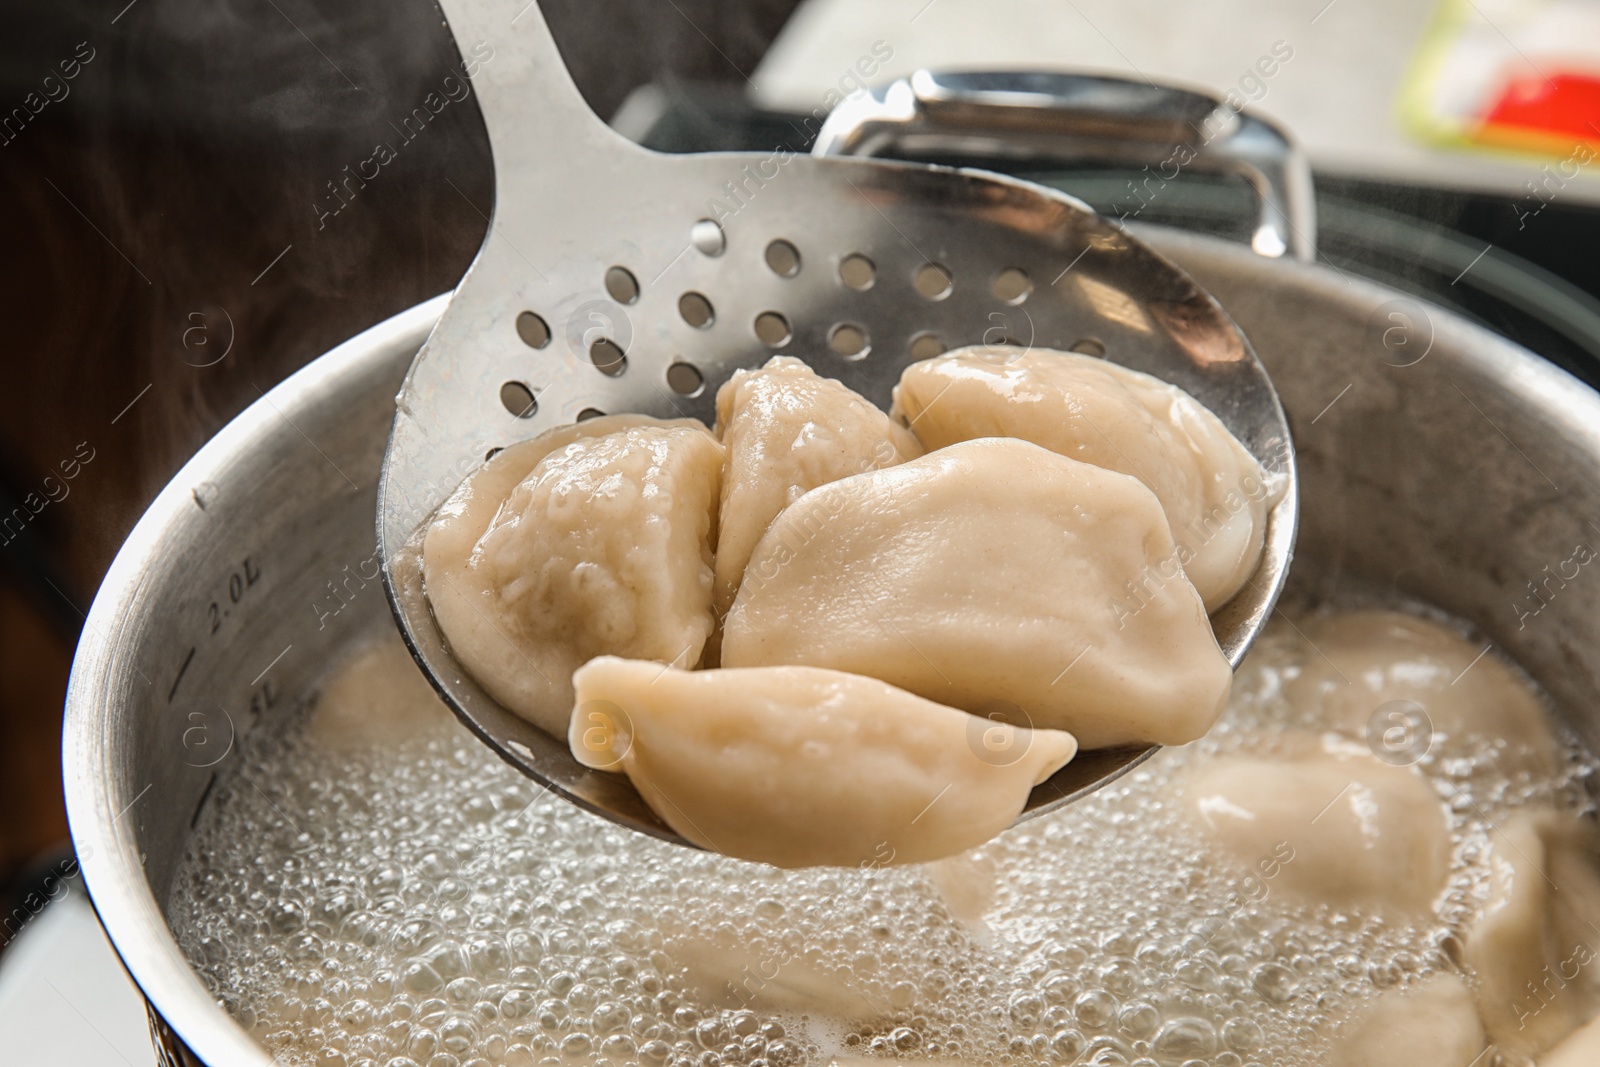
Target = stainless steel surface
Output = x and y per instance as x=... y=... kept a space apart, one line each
x=1073 y=118
x=576 y=202
x=1426 y=479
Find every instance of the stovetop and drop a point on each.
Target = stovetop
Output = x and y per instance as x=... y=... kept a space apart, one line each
x=64 y=997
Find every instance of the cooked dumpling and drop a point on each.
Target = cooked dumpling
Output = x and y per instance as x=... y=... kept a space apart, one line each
x=787 y=431
x=379 y=697
x=1582 y=1049
x=967 y=884
x=1533 y=947
x=1337 y=825
x=800 y=767
x=588 y=540
x=996 y=577
x=1431 y=1024
x=1098 y=412
x=736 y=974
x=1356 y=663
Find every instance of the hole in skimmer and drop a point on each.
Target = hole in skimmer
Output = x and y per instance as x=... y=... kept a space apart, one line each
x=783 y=258
x=696 y=310
x=608 y=357
x=1011 y=286
x=518 y=399
x=857 y=271
x=685 y=379
x=533 y=330
x=622 y=285
x=849 y=340
x=773 y=329
x=926 y=345
x=933 y=281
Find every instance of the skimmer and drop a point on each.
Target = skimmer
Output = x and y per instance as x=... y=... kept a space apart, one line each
x=616 y=279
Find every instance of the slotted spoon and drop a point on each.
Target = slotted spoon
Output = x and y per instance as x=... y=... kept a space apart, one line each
x=617 y=279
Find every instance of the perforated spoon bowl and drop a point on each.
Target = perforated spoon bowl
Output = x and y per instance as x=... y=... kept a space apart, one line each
x=615 y=279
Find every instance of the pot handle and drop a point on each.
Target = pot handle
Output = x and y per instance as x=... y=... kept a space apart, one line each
x=1037 y=115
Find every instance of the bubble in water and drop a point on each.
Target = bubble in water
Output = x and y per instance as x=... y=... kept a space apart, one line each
x=1139 y=1019
x=1096 y=1009
x=1186 y=1039
x=1242 y=1035
x=1274 y=982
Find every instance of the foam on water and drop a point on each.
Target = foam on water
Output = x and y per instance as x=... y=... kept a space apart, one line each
x=420 y=904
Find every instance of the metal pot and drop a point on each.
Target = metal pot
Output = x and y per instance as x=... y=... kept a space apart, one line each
x=1439 y=461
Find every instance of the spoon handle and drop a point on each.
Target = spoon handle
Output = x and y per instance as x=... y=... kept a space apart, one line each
x=542 y=133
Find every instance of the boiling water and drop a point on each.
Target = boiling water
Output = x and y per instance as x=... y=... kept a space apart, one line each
x=423 y=905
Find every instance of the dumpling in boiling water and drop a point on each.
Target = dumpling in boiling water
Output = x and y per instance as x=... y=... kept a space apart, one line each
x=1098 y=412
x=733 y=973
x=799 y=767
x=1535 y=945
x=991 y=576
x=967 y=884
x=788 y=430
x=1582 y=1049
x=1373 y=671
x=379 y=697
x=1430 y=1024
x=1327 y=822
x=588 y=540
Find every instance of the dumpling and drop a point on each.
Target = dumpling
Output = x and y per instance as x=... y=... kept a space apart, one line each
x=1533 y=948
x=996 y=577
x=800 y=767
x=1430 y=1024
x=1327 y=822
x=1359 y=662
x=786 y=431
x=1212 y=490
x=1582 y=1049
x=379 y=697
x=776 y=967
x=733 y=973
x=967 y=884
x=588 y=540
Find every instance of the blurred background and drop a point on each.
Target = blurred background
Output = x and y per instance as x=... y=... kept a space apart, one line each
x=173 y=243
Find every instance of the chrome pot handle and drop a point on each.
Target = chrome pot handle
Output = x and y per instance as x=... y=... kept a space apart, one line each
x=1038 y=115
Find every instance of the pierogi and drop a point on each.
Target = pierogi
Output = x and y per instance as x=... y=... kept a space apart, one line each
x=379 y=697
x=1430 y=1024
x=797 y=766
x=1339 y=825
x=1420 y=684
x=1581 y=1049
x=732 y=972
x=787 y=431
x=589 y=540
x=1088 y=409
x=993 y=576
x=1535 y=944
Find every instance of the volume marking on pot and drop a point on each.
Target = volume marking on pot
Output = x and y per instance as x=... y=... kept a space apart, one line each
x=181 y=671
